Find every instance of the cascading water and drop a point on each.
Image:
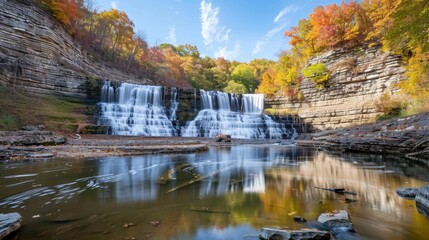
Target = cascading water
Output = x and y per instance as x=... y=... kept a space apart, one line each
x=174 y=104
x=134 y=110
x=220 y=115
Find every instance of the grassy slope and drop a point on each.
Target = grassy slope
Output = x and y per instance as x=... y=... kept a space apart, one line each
x=57 y=114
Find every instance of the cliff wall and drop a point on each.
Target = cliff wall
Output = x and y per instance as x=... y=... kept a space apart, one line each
x=37 y=55
x=359 y=77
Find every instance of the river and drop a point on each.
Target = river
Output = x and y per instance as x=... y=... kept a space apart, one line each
x=229 y=192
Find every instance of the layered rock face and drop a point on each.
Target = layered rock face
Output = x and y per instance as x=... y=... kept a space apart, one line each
x=37 y=55
x=359 y=77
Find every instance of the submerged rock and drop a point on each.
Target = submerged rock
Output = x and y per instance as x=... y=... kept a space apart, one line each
x=337 y=221
x=410 y=193
x=299 y=219
x=309 y=234
x=280 y=234
x=9 y=223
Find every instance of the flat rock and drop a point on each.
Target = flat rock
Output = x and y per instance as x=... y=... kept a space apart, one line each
x=9 y=223
x=338 y=220
x=305 y=233
x=409 y=193
x=274 y=234
x=309 y=234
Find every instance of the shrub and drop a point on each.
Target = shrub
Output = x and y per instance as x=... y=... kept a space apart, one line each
x=318 y=73
x=390 y=107
x=8 y=122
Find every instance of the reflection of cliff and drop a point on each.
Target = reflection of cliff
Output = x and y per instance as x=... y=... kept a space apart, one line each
x=258 y=186
x=373 y=187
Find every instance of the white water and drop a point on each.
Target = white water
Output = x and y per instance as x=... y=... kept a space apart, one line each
x=134 y=110
x=139 y=110
x=174 y=102
x=220 y=116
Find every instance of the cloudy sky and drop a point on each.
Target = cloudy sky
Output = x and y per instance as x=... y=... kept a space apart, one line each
x=234 y=29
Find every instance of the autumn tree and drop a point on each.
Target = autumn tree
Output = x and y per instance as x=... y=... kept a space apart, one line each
x=66 y=11
x=267 y=85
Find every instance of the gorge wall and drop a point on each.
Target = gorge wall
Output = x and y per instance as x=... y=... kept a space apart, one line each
x=359 y=77
x=38 y=56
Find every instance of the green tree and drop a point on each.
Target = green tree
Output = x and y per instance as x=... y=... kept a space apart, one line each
x=317 y=73
x=234 y=87
x=243 y=74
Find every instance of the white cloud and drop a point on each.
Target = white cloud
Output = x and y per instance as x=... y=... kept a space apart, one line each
x=284 y=11
x=268 y=36
x=172 y=35
x=228 y=54
x=114 y=4
x=210 y=28
x=258 y=46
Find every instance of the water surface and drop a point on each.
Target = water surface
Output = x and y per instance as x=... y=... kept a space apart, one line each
x=226 y=193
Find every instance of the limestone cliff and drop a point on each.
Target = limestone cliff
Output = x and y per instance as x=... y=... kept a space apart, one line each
x=359 y=77
x=39 y=56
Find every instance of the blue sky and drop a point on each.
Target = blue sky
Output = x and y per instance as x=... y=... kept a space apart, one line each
x=234 y=29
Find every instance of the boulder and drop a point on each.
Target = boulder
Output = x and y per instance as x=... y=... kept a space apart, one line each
x=409 y=193
x=337 y=221
x=223 y=138
x=422 y=197
x=9 y=223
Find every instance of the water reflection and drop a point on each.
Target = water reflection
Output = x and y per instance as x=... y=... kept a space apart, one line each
x=253 y=186
x=219 y=171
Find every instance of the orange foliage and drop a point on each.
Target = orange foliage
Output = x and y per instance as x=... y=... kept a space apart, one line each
x=335 y=25
x=66 y=11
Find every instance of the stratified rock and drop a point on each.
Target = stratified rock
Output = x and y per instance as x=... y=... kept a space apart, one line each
x=274 y=234
x=28 y=138
x=422 y=197
x=305 y=233
x=9 y=223
x=407 y=192
x=337 y=221
x=33 y=128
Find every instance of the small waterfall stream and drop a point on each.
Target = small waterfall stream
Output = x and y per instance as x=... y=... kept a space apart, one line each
x=134 y=109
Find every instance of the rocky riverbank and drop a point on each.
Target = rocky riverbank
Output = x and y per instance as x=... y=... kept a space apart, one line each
x=34 y=143
x=408 y=136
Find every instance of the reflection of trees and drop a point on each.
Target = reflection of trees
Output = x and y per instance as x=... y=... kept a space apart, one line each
x=290 y=190
x=259 y=186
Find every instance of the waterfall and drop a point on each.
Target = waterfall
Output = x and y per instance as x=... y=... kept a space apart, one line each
x=137 y=110
x=174 y=104
x=133 y=109
x=253 y=103
x=220 y=115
